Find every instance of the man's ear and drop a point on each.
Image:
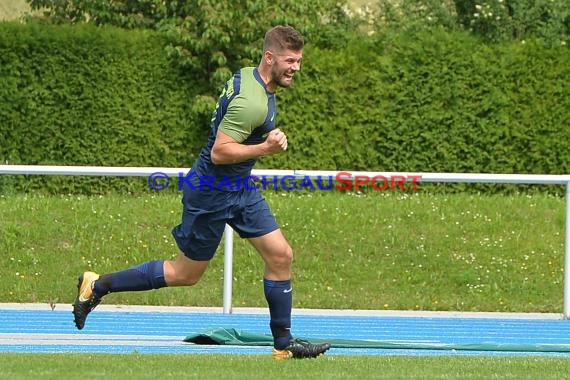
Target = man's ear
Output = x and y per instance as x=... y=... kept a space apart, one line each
x=268 y=56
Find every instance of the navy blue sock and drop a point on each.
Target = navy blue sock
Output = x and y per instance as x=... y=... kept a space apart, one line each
x=279 y=296
x=149 y=275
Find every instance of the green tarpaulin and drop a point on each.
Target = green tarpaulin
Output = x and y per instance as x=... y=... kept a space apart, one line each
x=233 y=337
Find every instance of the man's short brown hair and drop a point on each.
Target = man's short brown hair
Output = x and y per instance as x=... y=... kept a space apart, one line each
x=283 y=37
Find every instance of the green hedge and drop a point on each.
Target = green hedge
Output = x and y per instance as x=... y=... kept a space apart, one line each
x=91 y=96
x=431 y=102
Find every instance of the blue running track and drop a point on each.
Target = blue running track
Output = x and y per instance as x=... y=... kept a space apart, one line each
x=125 y=331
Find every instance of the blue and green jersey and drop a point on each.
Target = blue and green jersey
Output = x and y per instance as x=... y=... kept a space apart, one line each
x=245 y=111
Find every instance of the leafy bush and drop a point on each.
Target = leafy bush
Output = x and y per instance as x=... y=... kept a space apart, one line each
x=91 y=96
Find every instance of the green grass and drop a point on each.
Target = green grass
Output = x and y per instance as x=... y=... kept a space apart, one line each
x=252 y=367
x=382 y=250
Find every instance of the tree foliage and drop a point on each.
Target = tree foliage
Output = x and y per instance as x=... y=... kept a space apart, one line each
x=491 y=20
x=123 y=13
x=505 y=20
x=210 y=38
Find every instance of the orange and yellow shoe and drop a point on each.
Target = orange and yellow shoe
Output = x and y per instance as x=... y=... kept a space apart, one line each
x=281 y=354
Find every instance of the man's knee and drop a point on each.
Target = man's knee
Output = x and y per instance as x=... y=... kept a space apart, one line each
x=282 y=257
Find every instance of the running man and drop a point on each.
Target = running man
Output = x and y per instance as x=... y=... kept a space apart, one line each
x=243 y=129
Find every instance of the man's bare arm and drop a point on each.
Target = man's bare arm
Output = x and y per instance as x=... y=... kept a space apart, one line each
x=227 y=150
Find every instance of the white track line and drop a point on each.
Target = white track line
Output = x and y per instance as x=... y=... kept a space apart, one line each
x=247 y=310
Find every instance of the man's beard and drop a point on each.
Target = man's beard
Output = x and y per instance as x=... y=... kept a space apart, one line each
x=279 y=79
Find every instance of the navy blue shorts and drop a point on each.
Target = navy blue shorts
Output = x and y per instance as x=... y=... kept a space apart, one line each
x=206 y=212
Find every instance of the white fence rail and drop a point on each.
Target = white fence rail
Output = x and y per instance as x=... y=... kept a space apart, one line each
x=529 y=179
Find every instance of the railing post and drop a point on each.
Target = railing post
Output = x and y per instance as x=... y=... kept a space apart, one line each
x=567 y=257
x=228 y=268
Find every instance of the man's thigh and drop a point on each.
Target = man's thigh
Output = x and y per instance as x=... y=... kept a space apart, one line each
x=204 y=216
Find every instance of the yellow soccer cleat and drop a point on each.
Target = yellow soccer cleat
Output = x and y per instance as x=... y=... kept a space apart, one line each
x=281 y=354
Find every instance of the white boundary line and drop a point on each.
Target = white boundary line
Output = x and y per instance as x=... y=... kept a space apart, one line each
x=253 y=310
